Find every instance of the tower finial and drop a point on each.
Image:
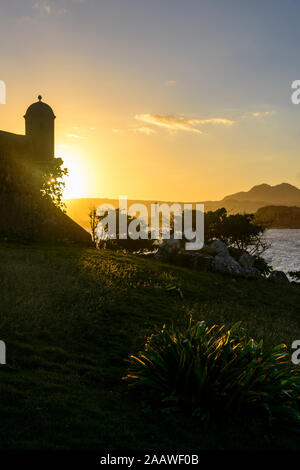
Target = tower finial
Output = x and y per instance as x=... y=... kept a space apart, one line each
x=40 y=97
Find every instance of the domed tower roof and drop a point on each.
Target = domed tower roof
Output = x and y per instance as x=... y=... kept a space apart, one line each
x=39 y=109
x=39 y=131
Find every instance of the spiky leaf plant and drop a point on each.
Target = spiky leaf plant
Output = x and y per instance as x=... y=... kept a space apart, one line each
x=212 y=371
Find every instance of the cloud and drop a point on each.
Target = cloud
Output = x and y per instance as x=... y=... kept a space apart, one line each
x=170 y=82
x=141 y=130
x=224 y=121
x=175 y=123
x=74 y=136
x=169 y=122
x=53 y=7
x=43 y=7
x=258 y=114
x=144 y=130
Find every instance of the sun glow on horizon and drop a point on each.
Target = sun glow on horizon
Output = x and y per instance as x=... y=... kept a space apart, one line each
x=77 y=184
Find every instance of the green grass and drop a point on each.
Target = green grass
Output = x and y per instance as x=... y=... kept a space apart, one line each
x=71 y=316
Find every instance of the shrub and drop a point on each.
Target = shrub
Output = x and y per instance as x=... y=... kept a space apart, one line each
x=236 y=230
x=214 y=372
x=127 y=244
x=261 y=264
x=295 y=275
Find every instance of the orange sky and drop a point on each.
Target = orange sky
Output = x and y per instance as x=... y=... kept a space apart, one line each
x=149 y=102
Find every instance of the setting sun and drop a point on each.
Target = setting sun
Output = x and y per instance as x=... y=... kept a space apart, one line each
x=77 y=180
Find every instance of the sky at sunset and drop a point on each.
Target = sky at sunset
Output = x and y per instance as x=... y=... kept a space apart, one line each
x=159 y=99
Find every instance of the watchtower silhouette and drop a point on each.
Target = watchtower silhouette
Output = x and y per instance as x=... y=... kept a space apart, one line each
x=39 y=128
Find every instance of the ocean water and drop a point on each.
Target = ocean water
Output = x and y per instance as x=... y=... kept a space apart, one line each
x=284 y=254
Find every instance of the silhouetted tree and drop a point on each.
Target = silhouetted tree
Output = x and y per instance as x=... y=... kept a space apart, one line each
x=93 y=224
x=241 y=231
x=53 y=184
x=238 y=230
x=127 y=244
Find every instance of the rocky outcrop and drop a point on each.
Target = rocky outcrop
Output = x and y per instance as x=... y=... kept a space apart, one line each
x=216 y=248
x=215 y=256
x=169 y=247
x=279 y=216
x=278 y=277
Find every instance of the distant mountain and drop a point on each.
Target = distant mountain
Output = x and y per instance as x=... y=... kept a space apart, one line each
x=283 y=193
x=259 y=196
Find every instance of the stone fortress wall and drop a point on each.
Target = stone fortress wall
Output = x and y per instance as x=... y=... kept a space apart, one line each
x=24 y=214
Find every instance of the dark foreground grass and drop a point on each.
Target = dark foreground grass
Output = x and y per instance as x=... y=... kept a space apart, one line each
x=70 y=316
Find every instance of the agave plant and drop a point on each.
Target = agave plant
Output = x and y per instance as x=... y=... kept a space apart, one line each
x=212 y=370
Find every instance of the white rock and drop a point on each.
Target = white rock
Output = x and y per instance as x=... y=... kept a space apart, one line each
x=218 y=247
x=246 y=260
x=227 y=265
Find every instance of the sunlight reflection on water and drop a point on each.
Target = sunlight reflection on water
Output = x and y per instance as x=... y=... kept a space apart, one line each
x=284 y=254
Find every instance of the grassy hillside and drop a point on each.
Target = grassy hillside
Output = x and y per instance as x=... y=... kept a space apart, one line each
x=70 y=316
